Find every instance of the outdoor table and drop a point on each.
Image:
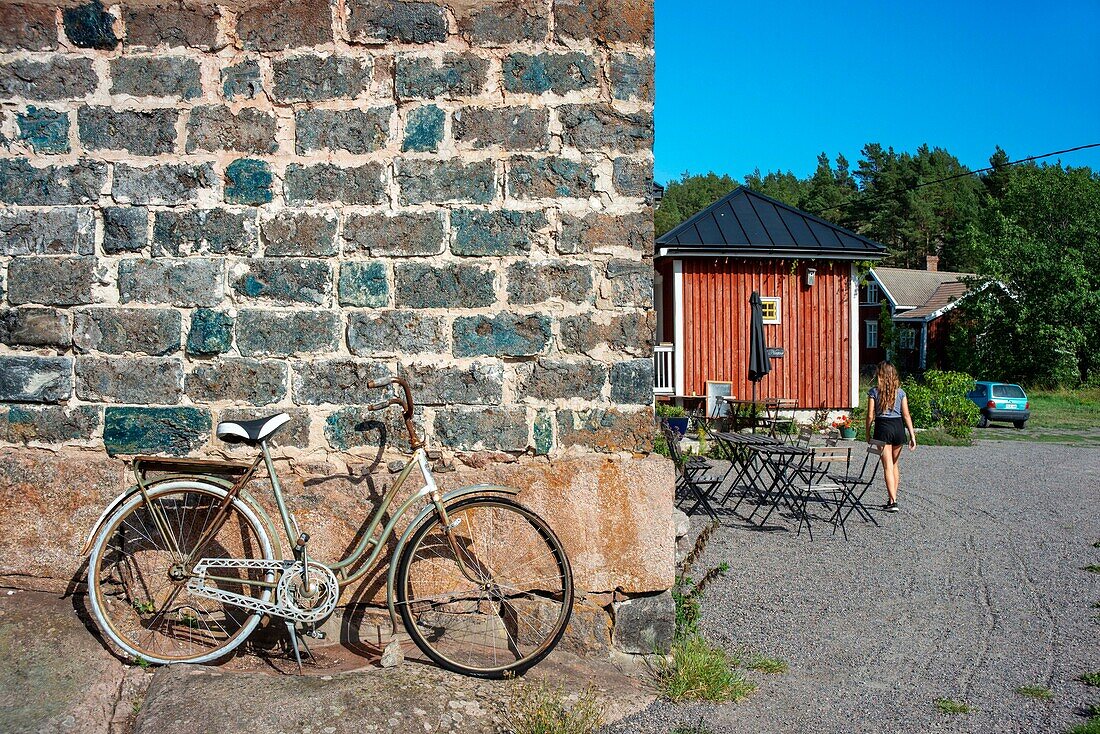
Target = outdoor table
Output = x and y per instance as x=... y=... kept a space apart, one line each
x=781 y=462
x=751 y=414
x=735 y=448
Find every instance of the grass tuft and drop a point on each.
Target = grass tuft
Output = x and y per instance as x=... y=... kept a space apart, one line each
x=1092 y=726
x=1091 y=568
x=1040 y=692
x=951 y=706
x=539 y=709
x=1091 y=679
x=938 y=437
x=701 y=672
x=764 y=664
x=696 y=728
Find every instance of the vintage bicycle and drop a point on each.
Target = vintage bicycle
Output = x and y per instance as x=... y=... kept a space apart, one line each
x=183 y=566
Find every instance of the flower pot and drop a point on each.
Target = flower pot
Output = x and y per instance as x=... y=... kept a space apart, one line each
x=680 y=425
x=848 y=433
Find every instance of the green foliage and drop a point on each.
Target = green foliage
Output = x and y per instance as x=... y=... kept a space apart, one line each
x=940 y=437
x=920 y=403
x=1091 y=568
x=699 y=671
x=696 y=728
x=688 y=196
x=668 y=410
x=660 y=444
x=951 y=706
x=958 y=415
x=1092 y=726
x=939 y=401
x=1040 y=692
x=1091 y=679
x=889 y=336
x=763 y=664
x=539 y=709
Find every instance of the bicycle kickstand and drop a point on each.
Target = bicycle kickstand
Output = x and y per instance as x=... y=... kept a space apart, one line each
x=293 y=633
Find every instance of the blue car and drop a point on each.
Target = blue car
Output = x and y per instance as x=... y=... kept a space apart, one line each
x=1000 y=401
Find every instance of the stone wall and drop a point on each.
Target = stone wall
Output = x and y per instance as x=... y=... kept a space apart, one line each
x=212 y=211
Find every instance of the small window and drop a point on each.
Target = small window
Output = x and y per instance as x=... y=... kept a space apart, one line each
x=770 y=307
x=1007 y=391
x=872 y=293
x=872 y=334
x=907 y=339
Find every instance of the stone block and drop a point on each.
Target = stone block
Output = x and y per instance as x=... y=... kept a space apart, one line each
x=628 y=284
x=502 y=335
x=53 y=281
x=146 y=76
x=139 y=132
x=543 y=432
x=353 y=130
x=217 y=128
x=554 y=379
x=153 y=331
x=28 y=27
x=295 y=433
x=598 y=127
x=632 y=77
x=601 y=233
x=249 y=381
x=187 y=283
x=248 y=181
x=418 y=285
x=511 y=128
x=495 y=233
x=284 y=281
x=388 y=21
x=503 y=23
x=77 y=183
x=211 y=332
x=457 y=75
x=318 y=78
x=35 y=379
x=533 y=282
x=90 y=26
x=187 y=232
x=50 y=424
x=396 y=332
x=606 y=430
x=281 y=24
x=633 y=177
x=337 y=381
x=604 y=21
x=140 y=380
x=438 y=182
x=307 y=234
x=175 y=431
x=242 y=81
x=481 y=383
x=263 y=333
x=125 y=229
x=645 y=625
x=559 y=73
x=173 y=25
x=482 y=429
x=632 y=382
x=168 y=183
x=415 y=234
x=632 y=333
x=35 y=327
x=424 y=129
x=329 y=183
x=61 y=77
x=364 y=284
x=552 y=177
x=46 y=131
x=67 y=231
x=356 y=427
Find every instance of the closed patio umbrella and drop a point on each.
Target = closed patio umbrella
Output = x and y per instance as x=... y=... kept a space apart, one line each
x=759 y=362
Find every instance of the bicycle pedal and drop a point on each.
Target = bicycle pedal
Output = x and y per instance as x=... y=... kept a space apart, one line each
x=315 y=634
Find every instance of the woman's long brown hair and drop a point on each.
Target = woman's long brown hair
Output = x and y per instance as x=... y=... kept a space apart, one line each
x=887 y=378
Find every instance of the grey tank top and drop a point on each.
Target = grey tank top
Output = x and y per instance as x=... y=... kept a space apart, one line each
x=892 y=412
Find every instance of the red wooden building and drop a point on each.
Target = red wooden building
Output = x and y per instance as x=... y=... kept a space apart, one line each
x=805 y=270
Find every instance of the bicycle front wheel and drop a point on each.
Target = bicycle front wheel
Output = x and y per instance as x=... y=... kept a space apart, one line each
x=489 y=596
x=144 y=556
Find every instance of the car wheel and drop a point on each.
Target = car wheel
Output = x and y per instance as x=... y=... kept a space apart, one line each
x=1019 y=425
x=983 y=421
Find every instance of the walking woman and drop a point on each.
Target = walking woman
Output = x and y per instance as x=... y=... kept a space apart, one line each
x=888 y=407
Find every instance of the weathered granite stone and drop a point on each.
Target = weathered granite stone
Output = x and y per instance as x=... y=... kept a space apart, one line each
x=154 y=331
x=140 y=132
x=606 y=430
x=125 y=229
x=217 y=127
x=338 y=381
x=136 y=380
x=481 y=383
x=604 y=21
x=285 y=281
x=551 y=379
x=250 y=381
x=543 y=432
x=169 y=183
x=632 y=382
x=494 y=429
x=90 y=26
x=329 y=183
x=424 y=129
x=598 y=127
x=645 y=625
x=211 y=332
x=632 y=77
x=261 y=332
x=35 y=327
x=550 y=72
x=502 y=23
x=189 y=282
x=175 y=431
x=242 y=81
x=512 y=128
x=283 y=24
x=628 y=284
x=317 y=78
x=495 y=233
x=68 y=231
x=146 y=76
x=631 y=333
x=35 y=379
x=354 y=130
x=28 y=27
x=418 y=285
x=400 y=235
x=423 y=181
x=458 y=75
x=381 y=21
x=601 y=233
x=170 y=24
x=396 y=332
x=633 y=177
x=502 y=335
x=61 y=77
x=54 y=281
x=186 y=232
x=364 y=284
x=295 y=433
x=356 y=427
x=248 y=181
x=306 y=234
x=531 y=282
x=78 y=183
x=552 y=177
x=50 y=424
x=46 y=131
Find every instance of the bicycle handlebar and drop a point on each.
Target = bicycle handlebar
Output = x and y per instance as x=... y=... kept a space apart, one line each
x=405 y=402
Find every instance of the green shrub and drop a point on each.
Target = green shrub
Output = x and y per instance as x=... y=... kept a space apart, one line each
x=668 y=410
x=958 y=415
x=660 y=445
x=920 y=403
x=948 y=383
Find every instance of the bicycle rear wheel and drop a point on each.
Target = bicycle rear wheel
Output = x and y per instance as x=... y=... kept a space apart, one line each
x=509 y=608
x=140 y=564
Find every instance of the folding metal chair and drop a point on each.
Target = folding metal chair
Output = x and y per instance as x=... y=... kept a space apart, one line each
x=856 y=485
x=813 y=483
x=692 y=473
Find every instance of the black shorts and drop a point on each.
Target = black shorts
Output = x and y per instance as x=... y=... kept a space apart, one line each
x=890 y=430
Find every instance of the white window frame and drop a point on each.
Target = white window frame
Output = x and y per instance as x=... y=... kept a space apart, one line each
x=778 y=309
x=871 y=334
x=872 y=293
x=907 y=338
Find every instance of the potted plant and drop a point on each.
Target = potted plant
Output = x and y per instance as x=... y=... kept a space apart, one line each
x=845 y=426
x=674 y=415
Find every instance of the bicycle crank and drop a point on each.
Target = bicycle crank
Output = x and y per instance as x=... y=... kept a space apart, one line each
x=296 y=599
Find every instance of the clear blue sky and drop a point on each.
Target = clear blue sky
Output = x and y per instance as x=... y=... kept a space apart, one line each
x=742 y=85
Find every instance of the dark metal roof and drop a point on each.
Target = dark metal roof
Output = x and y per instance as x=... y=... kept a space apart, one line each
x=749 y=224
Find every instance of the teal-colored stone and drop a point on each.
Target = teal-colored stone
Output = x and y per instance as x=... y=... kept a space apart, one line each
x=211 y=332
x=175 y=431
x=90 y=26
x=45 y=130
x=503 y=335
x=543 y=432
x=424 y=129
x=248 y=181
x=364 y=284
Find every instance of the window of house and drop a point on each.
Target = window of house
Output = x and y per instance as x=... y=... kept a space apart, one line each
x=771 y=310
x=872 y=292
x=872 y=334
x=907 y=339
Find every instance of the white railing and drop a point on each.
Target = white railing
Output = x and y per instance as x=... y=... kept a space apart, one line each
x=663 y=378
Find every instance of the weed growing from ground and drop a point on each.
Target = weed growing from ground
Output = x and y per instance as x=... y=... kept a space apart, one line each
x=1040 y=692
x=1091 y=679
x=539 y=709
x=697 y=728
x=1093 y=568
x=951 y=706
x=699 y=671
x=1092 y=726
x=764 y=664
x=142 y=663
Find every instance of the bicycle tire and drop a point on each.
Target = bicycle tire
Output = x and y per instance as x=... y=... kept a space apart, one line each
x=130 y=565
x=531 y=611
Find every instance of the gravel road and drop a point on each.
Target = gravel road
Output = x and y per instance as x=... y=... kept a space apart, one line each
x=974 y=589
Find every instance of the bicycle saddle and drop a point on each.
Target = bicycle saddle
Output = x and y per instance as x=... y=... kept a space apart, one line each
x=252 y=431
